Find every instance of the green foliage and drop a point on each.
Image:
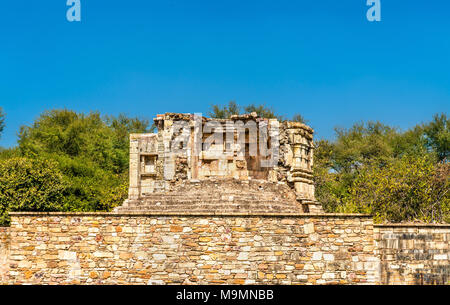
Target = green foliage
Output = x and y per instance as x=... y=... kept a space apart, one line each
x=2 y=121
x=360 y=143
x=357 y=172
x=437 y=136
x=224 y=112
x=337 y=164
x=29 y=185
x=262 y=110
x=67 y=133
x=299 y=118
x=330 y=189
x=404 y=189
x=7 y=153
x=91 y=152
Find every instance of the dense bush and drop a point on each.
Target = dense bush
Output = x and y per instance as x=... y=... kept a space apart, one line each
x=404 y=189
x=396 y=176
x=91 y=151
x=30 y=185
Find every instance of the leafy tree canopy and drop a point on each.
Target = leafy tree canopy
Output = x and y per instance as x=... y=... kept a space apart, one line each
x=437 y=136
x=405 y=189
x=225 y=111
x=349 y=172
x=2 y=121
x=29 y=185
x=92 y=153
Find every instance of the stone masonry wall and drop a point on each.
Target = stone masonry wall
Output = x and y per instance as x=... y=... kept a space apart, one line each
x=413 y=254
x=102 y=248
x=4 y=254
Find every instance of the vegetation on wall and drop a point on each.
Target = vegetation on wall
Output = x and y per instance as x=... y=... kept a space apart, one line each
x=69 y=161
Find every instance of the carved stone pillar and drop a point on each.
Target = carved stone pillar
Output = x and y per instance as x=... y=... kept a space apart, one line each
x=134 y=189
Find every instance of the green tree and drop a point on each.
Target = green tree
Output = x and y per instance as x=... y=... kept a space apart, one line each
x=329 y=185
x=361 y=143
x=299 y=118
x=337 y=163
x=437 y=136
x=29 y=185
x=92 y=153
x=262 y=110
x=405 y=189
x=224 y=112
x=2 y=121
x=8 y=153
x=340 y=166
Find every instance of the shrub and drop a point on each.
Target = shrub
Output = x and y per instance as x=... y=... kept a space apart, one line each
x=29 y=185
x=405 y=189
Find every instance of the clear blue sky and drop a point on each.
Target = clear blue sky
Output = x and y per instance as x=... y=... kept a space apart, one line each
x=320 y=58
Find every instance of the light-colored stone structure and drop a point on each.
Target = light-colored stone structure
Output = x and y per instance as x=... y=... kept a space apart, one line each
x=105 y=248
x=194 y=149
x=201 y=248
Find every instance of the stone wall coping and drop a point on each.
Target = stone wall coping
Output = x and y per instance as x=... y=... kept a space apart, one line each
x=411 y=225
x=137 y=214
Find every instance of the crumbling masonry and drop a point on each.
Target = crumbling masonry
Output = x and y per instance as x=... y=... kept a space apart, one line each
x=245 y=162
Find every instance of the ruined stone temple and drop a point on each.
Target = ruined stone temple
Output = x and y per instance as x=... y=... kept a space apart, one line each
x=213 y=168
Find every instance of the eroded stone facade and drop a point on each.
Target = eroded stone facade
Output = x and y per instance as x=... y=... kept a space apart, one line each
x=189 y=148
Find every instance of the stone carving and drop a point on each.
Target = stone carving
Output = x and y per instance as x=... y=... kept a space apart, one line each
x=190 y=148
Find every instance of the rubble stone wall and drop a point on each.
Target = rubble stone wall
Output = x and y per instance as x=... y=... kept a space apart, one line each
x=102 y=248
x=105 y=248
x=4 y=254
x=413 y=254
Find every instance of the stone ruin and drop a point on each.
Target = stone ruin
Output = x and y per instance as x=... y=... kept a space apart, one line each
x=245 y=164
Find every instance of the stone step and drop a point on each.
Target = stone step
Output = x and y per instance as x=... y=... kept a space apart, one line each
x=222 y=198
x=211 y=203
x=202 y=207
x=216 y=200
x=205 y=206
x=213 y=195
x=209 y=210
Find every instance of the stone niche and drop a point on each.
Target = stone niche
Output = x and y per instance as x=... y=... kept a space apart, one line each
x=188 y=148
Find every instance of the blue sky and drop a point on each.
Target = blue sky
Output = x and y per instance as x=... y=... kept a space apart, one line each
x=320 y=58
